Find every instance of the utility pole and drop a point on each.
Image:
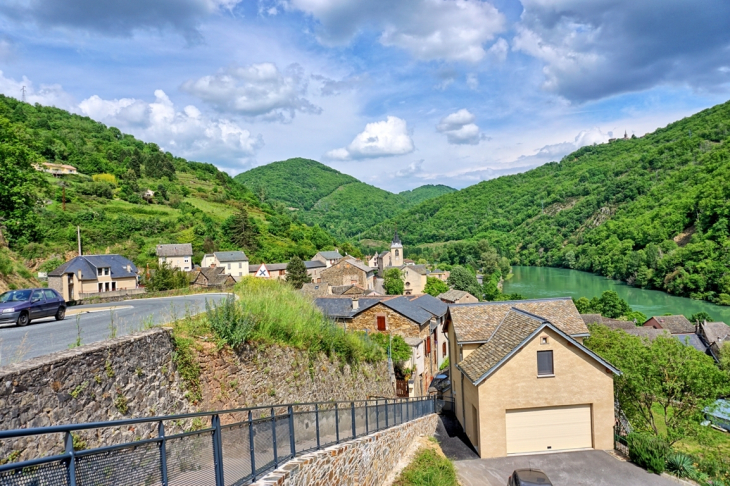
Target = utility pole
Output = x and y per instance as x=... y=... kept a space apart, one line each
x=23 y=91
x=78 y=237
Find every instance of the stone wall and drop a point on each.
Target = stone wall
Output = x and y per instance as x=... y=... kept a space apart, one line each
x=262 y=375
x=345 y=273
x=395 y=323
x=130 y=376
x=366 y=461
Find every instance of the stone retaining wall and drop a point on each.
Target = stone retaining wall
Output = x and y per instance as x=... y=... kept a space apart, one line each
x=130 y=376
x=366 y=461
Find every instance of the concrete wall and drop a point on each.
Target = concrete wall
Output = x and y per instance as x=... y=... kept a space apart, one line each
x=366 y=461
x=578 y=380
x=235 y=269
x=181 y=262
x=414 y=281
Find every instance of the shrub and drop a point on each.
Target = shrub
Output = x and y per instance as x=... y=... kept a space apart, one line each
x=680 y=465
x=108 y=178
x=648 y=452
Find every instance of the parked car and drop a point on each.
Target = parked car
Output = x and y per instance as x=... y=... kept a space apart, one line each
x=528 y=477
x=22 y=306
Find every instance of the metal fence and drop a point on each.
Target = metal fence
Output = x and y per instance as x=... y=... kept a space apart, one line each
x=223 y=448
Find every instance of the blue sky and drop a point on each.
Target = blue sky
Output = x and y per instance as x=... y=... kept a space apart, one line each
x=398 y=94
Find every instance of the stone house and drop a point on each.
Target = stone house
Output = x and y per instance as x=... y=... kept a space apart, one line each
x=349 y=271
x=674 y=324
x=414 y=319
x=714 y=335
x=278 y=270
x=178 y=256
x=234 y=263
x=524 y=383
x=454 y=296
x=329 y=258
x=211 y=277
x=92 y=274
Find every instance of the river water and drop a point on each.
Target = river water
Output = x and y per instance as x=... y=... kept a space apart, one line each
x=541 y=282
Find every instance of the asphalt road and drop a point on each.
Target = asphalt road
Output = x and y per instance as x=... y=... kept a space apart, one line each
x=95 y=321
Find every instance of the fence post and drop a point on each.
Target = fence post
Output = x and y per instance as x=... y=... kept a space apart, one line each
x=316 y=420
x=367 y=431
x=71 y=469
x=386 y=413
x=292 y=443
x=354 y=428
x=217 y=450
x=377 y=415
x=337 y=424
x=273 y=436
x=163 y=452
x=251 y=446
x=408 y=409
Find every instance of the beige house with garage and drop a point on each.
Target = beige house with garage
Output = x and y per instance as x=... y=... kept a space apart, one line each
x=178 y=256
x=523 y=382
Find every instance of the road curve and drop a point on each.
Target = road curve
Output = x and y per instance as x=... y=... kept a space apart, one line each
x=48 y=335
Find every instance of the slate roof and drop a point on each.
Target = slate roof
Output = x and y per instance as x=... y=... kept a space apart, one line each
x=592 y=318
x=330 y=255
x=396 y=239
x=315 y=289
x=691 y=340
x=409 y=309
x=354 y=262
x=314 y=264
x=420 y=269
x=674 y=324
x=231 y=256
x=341 y=307
x=214 y=276
x=516 y=328
x=477 y=322
x=431 y=304
x=343 y=289
x=715 y=331
x=88 y=264
x=612 y=323
x=453 y=295
x=182 y=249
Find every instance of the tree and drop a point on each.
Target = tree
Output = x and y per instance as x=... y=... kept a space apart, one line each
x=583 y=305
x=491 y=286
x=400 y=350
x=296 y=273
x=393 y=283
x=167 y=278
x=435 y=286
x=242 y=231
x=700 y=317
x=664 y=386
x=612 y=306
x=461 y=278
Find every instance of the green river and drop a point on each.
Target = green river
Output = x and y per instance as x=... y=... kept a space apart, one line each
x=541 y=282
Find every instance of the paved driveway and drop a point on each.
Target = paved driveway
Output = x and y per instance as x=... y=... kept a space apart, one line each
x=95 y=321
x=580 y=468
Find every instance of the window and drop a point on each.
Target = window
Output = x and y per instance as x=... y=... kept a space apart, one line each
x=545 y=363
x=443 y=350
x=240 y=265
x=50 y=295
x=114 y=286
x=229 y=266
x=99 y=272
x=397 y=253
x=544 y=340
x=428 y=345
x=381 y=323
x=106 y=271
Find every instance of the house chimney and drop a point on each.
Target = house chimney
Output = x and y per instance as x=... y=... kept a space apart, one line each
x=355 y=303
x=129 y=268
x=79 y=274
x=212 y=265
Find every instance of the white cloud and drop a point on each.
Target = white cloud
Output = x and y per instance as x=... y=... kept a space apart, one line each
x=257 y=90
x=454 y=30
x=472 y=81
x=379 y=139
x=187 y=132
x=556 y=151
x=460 y=128
x=498 y=51
x=46 y=94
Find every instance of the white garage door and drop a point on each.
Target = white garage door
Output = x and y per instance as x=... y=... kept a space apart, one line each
x=549 y=429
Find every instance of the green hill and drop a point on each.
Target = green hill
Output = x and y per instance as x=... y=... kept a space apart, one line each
x=325 y=197
x=193 y=202
x=652 y=211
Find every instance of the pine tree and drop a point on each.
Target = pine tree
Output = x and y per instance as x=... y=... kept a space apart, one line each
x=296 y=273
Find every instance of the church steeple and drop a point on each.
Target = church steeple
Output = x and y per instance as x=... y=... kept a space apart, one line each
x=396 y=250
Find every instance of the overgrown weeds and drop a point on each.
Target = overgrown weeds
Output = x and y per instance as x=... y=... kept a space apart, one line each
x=270 y=312
x=428 y=469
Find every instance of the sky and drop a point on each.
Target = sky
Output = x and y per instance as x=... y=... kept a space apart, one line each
x=397 y=94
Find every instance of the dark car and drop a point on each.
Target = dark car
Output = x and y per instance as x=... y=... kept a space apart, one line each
x=528 y=477
x=22 y=306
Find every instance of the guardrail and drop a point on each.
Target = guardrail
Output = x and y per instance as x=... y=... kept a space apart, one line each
x=252 y=442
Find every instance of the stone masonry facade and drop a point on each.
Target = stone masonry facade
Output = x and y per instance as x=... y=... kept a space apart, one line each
x=344 y=273
x=395 y=323
x=366 y=461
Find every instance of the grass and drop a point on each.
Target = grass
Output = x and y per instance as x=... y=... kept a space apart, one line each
x=428 y=469
x=271 y=312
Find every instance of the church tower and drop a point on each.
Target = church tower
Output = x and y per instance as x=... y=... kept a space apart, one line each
x=396 y=251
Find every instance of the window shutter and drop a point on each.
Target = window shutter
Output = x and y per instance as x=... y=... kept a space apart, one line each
x=428 y=345
x=443 y=353
x=381 y=323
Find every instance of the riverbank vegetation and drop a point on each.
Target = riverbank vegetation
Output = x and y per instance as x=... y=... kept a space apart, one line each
x=610 y=305
x=650 y=211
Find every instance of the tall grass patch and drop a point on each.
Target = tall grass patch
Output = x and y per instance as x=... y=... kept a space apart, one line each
x=271 y=312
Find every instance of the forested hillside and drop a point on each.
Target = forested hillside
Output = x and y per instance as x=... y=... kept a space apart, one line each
x=323 y=196
x=192 y=202
x=652 y=211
